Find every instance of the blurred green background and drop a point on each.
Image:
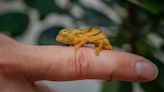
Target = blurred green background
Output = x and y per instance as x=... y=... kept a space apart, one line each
x=135 y=26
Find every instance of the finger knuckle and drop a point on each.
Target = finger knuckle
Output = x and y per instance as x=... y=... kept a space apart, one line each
x=83 y=61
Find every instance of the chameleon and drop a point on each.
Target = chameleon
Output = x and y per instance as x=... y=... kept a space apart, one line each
x=79 y=37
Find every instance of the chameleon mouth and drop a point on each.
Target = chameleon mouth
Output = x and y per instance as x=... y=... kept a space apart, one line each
x=64 y=39
x=58 y=38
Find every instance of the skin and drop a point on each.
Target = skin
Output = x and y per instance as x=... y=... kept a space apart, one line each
x=23 y=66
x=79 y=37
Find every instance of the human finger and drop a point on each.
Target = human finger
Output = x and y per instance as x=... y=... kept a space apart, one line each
x=61 y=63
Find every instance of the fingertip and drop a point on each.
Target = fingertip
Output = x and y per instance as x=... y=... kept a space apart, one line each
x=146 y=70
x=131 y=67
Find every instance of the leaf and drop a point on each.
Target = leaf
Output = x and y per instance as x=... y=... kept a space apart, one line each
x=14 y=23
x=44 y=7
x=153 y=6
x=47 y=37
x=116 y=86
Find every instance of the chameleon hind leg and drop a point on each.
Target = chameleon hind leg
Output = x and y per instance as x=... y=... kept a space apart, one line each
x=99 y=48
x=107 y=45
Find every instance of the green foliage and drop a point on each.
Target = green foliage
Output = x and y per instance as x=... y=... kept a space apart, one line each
x=151 y=87
x=142 y=18
x=44 y=7
x=117 y=86
x=13 y=23
x=153 y=6
x=48 y=36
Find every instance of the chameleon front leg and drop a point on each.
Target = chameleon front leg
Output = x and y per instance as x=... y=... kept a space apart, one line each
x=80 y=44
x=99 y=48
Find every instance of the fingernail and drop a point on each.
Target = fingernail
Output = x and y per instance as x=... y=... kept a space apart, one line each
x=146 y=70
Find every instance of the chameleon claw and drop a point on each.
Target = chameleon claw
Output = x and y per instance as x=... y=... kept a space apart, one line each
x=76 y=47
x=97 y=53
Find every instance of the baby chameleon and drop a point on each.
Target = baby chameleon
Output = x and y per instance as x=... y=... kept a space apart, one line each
x=79 y=37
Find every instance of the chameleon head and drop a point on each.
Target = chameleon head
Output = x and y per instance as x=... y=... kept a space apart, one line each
x=64 y=36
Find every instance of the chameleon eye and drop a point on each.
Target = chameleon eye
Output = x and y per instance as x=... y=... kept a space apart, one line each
x=64 y=31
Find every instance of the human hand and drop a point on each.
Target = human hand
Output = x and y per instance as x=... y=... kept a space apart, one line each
x=21 y=66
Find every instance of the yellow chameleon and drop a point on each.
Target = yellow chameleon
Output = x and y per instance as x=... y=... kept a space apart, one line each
x=79 y=37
